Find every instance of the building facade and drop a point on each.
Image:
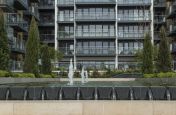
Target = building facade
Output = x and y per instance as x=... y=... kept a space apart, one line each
x=94 y=33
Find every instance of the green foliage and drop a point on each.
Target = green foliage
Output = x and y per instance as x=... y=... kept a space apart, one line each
x=164 y=63
x=32 y=49
x=77 y=74
x=23 y=75
x=95 y=74
x=4 y=48
x=4 y=73
x=46 y=76
x=161 y=75
x=55 y=54
x=147 y=61
x=46 y=60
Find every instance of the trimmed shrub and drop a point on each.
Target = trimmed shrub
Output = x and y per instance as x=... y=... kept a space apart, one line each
x=4 y=73
x=45 y=76
x=23 y=75
x=150 y=75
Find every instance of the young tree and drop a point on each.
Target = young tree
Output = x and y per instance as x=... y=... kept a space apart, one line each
x=164 y=63
x=147 y=55
x=46 y=60
x=4 y=47
x=32 y=49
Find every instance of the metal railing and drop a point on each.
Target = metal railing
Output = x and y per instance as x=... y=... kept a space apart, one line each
x=64 y=34
x=47 y=37
x=18 y=45
x=66 y=51
x=134 y=18
x=65 y=2
x=142 y=2
x=172 y=28
x=95 y=50
x=159 y=18
x=6 y=2
x=131 y=34
x=159 y=3
x=95 y=15
x=95 y=1
x=16 y=65
x=65 y=18
x=14 y=18
x=125 y=51
x=96 y=33
x=47 y=3
x=24 y=2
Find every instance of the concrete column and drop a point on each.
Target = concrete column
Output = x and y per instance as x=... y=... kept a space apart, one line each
x=56 y=26
x=152 y=21
x=116 y=41
x=75 y=62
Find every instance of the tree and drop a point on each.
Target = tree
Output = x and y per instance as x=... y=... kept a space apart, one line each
x=147 y=55
x=164 y=63
x=4 y=47
x=46 y=60
x=32 y=49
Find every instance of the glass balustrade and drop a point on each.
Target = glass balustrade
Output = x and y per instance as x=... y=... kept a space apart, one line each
x=65 y=34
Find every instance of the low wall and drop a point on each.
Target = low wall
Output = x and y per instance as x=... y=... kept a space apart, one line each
x=87 y=108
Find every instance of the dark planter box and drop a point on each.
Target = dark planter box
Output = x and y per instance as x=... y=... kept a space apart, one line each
x=3 y=91
x=122 y=93
x=172 y=91
x=159 y=93
x=69 y=93
x=140 y=93
x=87 y=93
x=52 y=93
x=104 y=93
x=17 y=93
x=34 y=93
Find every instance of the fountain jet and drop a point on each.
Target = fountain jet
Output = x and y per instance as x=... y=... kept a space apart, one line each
x=70 y=73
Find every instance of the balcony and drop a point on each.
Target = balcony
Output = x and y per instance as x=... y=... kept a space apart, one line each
x=95 y=16
x=134 y=2
x=16 y=66
x=159 y=19
x=95 y=2
x=6 y=5
x=32 y=11
x=63 y=35
x=46 y=21
x=172 y=29
x=131 y=35
x=134 y=19
x=18 y=45
x=160 y=3
x=65 y=3
x=21 y=4
x=47 y=38
x=95 y=51
x=67 y=51
x=93 y=34
x=171 y=11
x=46 y=4
x=16 y=21
x=65 y=19
x=128 y=51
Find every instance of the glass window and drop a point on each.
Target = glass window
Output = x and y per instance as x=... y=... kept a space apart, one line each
x=98 y=30
x=92 y=30
x=105 y=30
x=85 y=30
x=112 y=30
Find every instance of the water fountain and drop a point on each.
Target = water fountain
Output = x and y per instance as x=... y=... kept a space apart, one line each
x=86 y=76
x=82 y=76
x=70 y=73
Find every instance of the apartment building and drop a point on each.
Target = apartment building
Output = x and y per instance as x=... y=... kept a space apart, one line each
x=171 y=26
x=94 y=33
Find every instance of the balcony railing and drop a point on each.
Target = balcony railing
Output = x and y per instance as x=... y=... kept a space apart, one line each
x=21 y=4
x=6 y=4
x=15 y=20
x=47 y=37
x=134 y=2
x=65 y=18
x=65 y=2
x=95 y=33
x=159 y=18
x=96 y=1
x=47 y=3
x=172 y=28
x=16 y=65
x=134 y=18
x=159 y=3
x=95 y=51
x=67 y=51
x=128 y=51
x=131 y=34
x=18 y=45
x=65 y=35
x=95 y=15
